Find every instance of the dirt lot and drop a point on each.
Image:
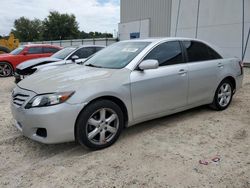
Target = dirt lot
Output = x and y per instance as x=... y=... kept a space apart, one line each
x=160 y=153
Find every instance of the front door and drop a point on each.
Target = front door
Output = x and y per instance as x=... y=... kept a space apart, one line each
x=165 y=88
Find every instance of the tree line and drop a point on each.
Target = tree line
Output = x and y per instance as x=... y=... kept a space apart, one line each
x=55 y=26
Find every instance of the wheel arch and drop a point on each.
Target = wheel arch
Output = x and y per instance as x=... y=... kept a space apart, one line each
x=232 y=80
x=114 y=99
x=214 y=105
x=4 y=61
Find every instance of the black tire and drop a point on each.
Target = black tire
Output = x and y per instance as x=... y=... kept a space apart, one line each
x=4 y=49
x=82 y=126
x=216 y=103
x=10 y=69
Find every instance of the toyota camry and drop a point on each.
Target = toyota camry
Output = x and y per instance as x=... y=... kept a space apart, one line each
x=126 y=83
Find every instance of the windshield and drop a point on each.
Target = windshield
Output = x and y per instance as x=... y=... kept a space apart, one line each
x=116 y=56
x=17 y=50
x=62 y=54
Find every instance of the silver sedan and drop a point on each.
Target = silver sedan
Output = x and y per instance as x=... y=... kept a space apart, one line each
x=127 y=83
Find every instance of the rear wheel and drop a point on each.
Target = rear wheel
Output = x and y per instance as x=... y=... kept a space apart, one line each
x=223 y=95
x=99 y=124
x=6 y=69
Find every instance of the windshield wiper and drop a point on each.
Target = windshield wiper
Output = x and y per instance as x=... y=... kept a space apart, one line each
x=91 y=65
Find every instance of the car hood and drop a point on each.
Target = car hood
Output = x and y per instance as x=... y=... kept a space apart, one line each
x=51 y=65
x=34 y=62
x=65 y=78
x=2 y=56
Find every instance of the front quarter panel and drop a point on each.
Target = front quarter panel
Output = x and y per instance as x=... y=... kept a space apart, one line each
x=115 y=85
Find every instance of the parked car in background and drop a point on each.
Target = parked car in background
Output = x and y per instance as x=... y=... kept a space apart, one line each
x=65 y=56
x=124 y=84
x=8 y=62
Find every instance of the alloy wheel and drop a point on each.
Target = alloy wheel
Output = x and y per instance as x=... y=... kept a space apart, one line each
x=224 y=94
x=5 y=70
x=102 y=126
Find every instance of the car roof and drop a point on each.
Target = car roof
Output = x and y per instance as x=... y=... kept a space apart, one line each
x=163 y=39
x=41 y=45
x=84 y=46
x=166 y=39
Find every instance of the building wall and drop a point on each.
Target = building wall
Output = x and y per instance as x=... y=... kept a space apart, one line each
x=158 y=12
x=220 y=23
x=141 y=26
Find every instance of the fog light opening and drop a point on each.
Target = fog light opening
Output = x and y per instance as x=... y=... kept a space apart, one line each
x=42 y=132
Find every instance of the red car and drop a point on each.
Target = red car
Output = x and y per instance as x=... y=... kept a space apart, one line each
x=8 y=62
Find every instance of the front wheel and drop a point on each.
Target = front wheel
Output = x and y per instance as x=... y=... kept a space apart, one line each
x=223 y=95
x=99 y=124
x=5 y=69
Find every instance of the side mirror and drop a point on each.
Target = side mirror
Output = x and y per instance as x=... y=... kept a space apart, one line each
x=149 y=64
x=74 y=58
x=82 y=61
x=25 y=52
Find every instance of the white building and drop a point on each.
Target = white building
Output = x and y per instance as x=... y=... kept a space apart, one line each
x=219 y=22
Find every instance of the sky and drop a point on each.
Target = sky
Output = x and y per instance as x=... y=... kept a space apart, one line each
x=92 y=15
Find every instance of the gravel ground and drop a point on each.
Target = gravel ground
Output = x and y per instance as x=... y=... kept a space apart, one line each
x=159 y=153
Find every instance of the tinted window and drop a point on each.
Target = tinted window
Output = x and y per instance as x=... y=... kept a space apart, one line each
x=50 y=50
x=98 y=48
x=197 y=51
x=62 y=54
x=168 y=53
x=213 y=54
x=84 y=52
x=35 y=50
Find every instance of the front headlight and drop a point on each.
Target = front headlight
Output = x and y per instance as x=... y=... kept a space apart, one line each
x=49 y=99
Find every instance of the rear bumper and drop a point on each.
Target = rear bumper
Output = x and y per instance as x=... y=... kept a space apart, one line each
x=239 y=82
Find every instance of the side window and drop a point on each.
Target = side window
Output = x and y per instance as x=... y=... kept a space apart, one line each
x=168 y=53
x=213 y=53
x=50 y=50
x=35 y=50
x=197 y=51
x=84 y=52
x=98 y=49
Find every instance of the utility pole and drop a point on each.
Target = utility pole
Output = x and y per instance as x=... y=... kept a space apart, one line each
x=243 y=29
x=177 y=19
x=244 y=53
x=197 y=20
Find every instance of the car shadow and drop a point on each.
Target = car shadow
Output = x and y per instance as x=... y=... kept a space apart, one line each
x=166 y=121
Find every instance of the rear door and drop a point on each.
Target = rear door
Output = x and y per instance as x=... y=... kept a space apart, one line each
x=203 y=66
x=159 y=90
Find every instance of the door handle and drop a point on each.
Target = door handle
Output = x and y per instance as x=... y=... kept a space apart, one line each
x=182 y=72
x=220 y=65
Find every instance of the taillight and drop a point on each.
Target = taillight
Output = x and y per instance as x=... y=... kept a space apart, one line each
x=241 y=66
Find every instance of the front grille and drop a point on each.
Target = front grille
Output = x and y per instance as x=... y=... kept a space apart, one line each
x=19 y=99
